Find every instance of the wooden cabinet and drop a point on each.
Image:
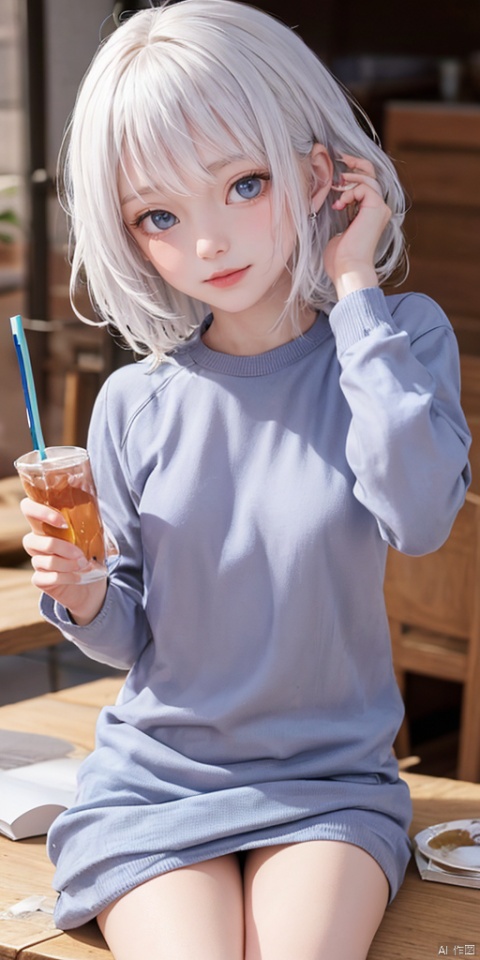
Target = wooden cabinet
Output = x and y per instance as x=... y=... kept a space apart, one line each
x=436 y=148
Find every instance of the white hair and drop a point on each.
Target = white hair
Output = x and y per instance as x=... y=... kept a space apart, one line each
x=197 y=75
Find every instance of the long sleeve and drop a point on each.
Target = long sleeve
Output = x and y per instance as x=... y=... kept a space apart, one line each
x=121 y=630
x=408 y=440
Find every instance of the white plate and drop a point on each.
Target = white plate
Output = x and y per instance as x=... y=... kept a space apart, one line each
x=452 y=853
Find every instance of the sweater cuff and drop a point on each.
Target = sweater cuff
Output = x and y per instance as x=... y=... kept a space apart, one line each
x=356 y=315
x=59 y=616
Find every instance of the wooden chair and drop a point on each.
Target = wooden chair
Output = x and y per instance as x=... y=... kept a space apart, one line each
x=474 y=455
x=433 y=605
x=470 y=375
x=81 y=388
x=13 y=525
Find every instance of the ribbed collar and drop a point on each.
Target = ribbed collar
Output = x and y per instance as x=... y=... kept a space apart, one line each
x=260 y=364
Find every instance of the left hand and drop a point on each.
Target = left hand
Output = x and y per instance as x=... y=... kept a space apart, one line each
x=349 y=257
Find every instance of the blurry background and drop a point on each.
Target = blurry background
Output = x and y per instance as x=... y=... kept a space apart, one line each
x=414 y=67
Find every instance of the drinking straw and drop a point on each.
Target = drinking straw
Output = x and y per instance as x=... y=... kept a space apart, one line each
x=28 y=385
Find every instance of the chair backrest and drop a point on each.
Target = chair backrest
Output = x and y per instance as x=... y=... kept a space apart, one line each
x=474 y=455
x=470 y=375
x=440 y=592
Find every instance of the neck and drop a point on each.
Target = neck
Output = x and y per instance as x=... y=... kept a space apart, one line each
x=242 y=334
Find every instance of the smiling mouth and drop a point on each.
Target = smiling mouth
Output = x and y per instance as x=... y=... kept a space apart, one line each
x=227 y=277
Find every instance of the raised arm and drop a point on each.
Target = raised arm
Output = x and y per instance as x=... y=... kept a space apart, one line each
x=408 y=440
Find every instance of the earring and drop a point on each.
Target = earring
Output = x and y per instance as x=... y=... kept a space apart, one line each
x=312 y=216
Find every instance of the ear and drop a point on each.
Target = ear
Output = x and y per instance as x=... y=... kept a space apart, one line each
x=321 y=166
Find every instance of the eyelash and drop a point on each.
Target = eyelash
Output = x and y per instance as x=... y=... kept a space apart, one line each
x=254 y=175
x=137 y=223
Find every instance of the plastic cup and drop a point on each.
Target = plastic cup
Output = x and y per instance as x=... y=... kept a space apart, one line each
x=64 y=481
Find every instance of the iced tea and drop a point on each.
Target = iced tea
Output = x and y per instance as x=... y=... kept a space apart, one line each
x=64 y=481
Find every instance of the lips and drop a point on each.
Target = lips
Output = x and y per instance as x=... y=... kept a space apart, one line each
x=227 y=278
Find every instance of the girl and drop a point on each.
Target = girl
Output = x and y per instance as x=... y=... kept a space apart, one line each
x=287 y=423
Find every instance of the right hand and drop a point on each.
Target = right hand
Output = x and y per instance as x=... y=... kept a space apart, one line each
x=57 y=562
x=349 y=257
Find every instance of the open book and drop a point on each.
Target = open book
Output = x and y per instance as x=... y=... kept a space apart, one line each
x=429 y=870
x=32 y=796
x=450 y=852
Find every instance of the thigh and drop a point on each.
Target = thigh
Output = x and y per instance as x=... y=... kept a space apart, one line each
x=195 y=911
x=315 y=900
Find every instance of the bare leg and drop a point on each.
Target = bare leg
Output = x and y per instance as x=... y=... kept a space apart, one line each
x=312 y=901
x=194 y=913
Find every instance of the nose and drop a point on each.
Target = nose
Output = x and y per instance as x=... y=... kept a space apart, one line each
x=210 y=247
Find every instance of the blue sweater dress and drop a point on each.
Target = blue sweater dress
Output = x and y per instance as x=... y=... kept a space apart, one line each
x=253 y=499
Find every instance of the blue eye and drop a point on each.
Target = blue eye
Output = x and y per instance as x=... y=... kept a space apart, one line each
x=156 y=221
x=248 y=188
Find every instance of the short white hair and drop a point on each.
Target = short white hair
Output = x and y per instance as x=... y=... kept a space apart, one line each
x=197 y=75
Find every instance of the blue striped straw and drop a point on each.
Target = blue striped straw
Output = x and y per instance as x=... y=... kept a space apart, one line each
x=28 y=385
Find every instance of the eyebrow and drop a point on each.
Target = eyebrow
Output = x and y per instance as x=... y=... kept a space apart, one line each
x=213 y=168
x=138 y=193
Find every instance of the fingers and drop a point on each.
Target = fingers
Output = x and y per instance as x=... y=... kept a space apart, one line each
x=360 y=190
x=38 y=514
x=49 y=582
x=39 y=544
x=358 y=164
x=52 y=563
x=350 y=181
x=359 y=171
x=55 y=561
x=58 y=564
x=349 y=257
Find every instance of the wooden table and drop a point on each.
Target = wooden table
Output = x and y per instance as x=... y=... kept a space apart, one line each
x=13 y=525
x=424 y=917
x=22 y=627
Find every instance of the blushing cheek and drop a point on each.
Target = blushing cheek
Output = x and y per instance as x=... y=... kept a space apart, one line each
x=256 y=229
x=262 y=220
x=165 y=258
x=261 y=227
